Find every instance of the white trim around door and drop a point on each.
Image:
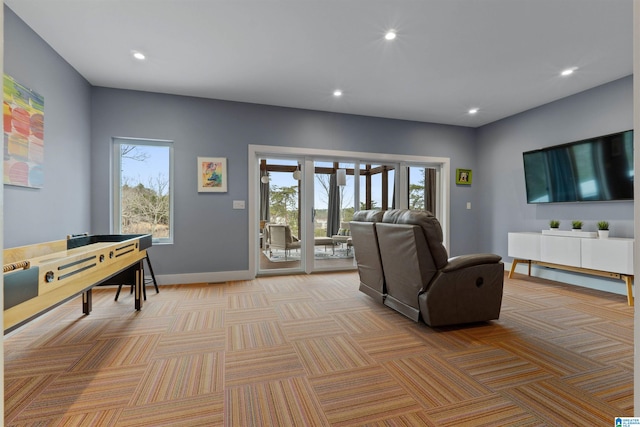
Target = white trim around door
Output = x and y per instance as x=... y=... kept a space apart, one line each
x=255 y=152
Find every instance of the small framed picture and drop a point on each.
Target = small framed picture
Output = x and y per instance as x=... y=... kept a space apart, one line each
x=212 y=175
x=463 y=176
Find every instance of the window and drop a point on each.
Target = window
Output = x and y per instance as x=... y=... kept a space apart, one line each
x=377 y=183
x=143 y=188
x=423 y=188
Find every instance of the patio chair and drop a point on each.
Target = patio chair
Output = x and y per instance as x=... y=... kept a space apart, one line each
x=280 y=237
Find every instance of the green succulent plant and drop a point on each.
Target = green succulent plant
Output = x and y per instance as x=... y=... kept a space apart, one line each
x=576 y=224
x=554 y=223
x=603 y=225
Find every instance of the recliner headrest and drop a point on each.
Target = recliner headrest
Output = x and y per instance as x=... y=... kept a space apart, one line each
x=430 y=227
x=370 y=215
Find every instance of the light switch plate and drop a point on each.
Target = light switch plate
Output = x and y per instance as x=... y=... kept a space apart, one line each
x=238 y=204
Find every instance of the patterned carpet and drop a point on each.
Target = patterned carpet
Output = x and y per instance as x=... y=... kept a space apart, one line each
x=311 y=350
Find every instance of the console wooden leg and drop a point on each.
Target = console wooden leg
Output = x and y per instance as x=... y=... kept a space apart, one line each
x=629 y=282
x=514 y=264
x=513 y=268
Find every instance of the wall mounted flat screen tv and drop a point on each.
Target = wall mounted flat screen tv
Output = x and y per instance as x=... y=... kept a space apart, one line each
x=596 y=169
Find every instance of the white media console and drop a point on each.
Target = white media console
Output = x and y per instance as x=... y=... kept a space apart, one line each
x=577 y=251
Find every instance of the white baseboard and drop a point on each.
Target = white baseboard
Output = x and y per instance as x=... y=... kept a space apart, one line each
x=212 y=277
x=592 y=282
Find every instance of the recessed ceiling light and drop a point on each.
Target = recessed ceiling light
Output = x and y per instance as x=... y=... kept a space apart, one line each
x=473 y=110
x=391 y=34
x=568 y=71
x=337 y=93
x=138 y=55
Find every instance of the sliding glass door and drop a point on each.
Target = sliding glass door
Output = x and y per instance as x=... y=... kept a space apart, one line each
x=281 y=243
x=301 y=202
x=333 y=207
x=286 y=245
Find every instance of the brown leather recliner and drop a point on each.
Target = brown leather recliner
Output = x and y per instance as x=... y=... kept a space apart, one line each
x=421 y=280
x=367 y=253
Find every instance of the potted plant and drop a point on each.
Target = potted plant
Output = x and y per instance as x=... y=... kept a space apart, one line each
x=603 y=229
x=554 y=224
x=576 y=225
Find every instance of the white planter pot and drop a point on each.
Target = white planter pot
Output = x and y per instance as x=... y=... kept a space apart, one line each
x=603 y=234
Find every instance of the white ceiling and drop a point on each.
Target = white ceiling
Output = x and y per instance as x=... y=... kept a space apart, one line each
x=501 y=56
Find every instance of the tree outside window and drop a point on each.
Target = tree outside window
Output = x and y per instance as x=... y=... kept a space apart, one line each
x=143 y=192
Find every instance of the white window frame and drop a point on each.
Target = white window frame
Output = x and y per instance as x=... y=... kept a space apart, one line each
x=117 y=179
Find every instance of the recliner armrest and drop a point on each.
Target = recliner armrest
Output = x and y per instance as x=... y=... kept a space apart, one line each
x=464 y=261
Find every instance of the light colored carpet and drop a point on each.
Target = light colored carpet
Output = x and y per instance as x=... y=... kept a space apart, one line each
x=311 y=350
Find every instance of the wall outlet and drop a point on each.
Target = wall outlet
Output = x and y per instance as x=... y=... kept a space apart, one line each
x=468 y=205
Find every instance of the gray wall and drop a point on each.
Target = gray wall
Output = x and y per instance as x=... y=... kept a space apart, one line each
x=209 y=235
x=62 y=206
x=503 y=207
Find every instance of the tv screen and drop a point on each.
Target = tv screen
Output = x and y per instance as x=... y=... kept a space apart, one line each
x=596 y=169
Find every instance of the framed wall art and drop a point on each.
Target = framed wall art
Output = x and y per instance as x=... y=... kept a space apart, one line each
x=212 y=175
x=23 y=135
x=463 y=176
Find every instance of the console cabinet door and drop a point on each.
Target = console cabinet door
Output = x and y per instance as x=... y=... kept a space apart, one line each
x=561 y=250
x=524 y=246
x=615 y=255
